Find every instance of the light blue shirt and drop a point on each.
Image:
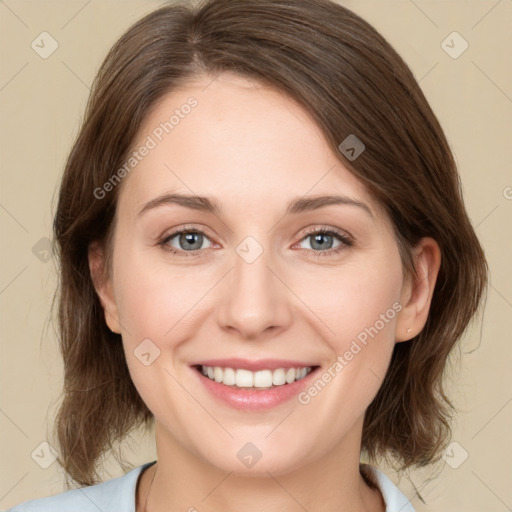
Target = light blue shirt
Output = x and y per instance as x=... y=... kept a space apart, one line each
x=118 y=495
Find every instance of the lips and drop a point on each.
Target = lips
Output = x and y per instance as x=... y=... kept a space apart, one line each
x=254 y=366
x=254 y=385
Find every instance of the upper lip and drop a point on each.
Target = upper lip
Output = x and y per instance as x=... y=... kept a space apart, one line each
x=260 y=364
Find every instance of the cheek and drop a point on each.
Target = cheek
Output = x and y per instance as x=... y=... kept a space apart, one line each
x=152 y=297
x=355 y=298
x=151 y=301
x=359 y=305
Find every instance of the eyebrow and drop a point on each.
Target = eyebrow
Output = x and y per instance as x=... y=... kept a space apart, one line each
x=205 y=204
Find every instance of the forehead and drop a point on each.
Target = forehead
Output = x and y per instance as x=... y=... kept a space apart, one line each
x=236 y=139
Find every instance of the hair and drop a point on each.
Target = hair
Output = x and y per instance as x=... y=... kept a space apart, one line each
x=351 y=81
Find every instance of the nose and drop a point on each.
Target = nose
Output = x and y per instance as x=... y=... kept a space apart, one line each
x=255 y=302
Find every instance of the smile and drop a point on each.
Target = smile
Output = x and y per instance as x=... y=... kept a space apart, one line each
x=262 y=379
x=254 y=385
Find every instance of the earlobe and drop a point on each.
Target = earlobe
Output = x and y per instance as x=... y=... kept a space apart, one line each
x=418 y=290
x=103 y=286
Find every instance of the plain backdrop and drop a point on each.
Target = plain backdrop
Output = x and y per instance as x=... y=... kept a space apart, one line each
x=41 y=105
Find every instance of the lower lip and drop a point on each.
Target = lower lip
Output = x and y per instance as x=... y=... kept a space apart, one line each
x=252 y=399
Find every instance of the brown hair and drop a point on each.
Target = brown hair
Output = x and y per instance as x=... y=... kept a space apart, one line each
x=346 y=75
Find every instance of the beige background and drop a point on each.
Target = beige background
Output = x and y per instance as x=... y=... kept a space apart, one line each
x=41 y=104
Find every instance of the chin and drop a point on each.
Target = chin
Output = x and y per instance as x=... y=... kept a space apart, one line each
x=256 y=458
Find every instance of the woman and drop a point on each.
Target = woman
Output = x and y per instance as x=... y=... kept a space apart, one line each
x=264 y=251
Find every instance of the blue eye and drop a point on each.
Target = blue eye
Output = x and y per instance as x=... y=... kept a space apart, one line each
x=323 y=240
x=189 y=242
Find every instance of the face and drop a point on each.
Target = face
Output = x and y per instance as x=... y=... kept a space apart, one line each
x=257 y=278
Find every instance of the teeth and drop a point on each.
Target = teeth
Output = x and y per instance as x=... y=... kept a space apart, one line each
x=229 y=377
x=244 y=378
x=217 y=374
x=278 y=377
x=262 y=379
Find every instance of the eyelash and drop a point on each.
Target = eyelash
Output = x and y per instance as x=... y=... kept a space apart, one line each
x=346 y=241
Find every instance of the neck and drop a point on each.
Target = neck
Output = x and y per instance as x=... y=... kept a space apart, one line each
x=182 y=481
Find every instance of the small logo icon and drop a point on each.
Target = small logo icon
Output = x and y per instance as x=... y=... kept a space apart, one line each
x=249 y=455
x=146 y=352
x=42 y=250
x=249 y=249
x=44 y=455
x=351 y=147
x=44 y=45
x=455 y=455
x=454 y=45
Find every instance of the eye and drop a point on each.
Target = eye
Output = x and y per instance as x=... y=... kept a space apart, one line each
x=185 y=241
x=189 y=241
x=322 y=240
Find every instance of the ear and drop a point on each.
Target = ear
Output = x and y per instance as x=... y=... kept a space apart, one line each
x=417 y=291
x=103 y=286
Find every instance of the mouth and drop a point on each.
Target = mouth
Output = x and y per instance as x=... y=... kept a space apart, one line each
x=248 y=385
x=241 y=378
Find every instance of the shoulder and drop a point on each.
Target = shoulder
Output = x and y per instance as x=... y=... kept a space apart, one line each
x=393 y=496
x=115 y=495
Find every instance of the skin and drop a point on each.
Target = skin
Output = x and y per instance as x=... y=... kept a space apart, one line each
x=253 y=150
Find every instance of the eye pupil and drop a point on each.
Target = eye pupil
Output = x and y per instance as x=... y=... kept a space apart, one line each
x=317 y=239
x=189 y=238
